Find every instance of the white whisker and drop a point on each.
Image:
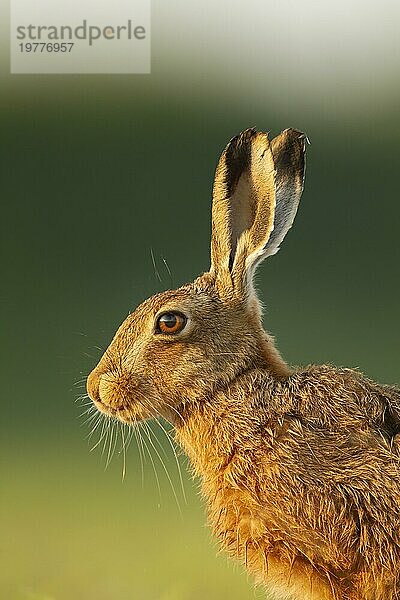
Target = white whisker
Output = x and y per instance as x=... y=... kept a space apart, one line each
x=151 y=460
x=178 y=466
x=163 y=465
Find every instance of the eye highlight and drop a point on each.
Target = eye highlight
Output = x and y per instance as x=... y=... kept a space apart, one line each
x=170 y=323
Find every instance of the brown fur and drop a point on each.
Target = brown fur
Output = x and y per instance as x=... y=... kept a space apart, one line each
x=300 y=468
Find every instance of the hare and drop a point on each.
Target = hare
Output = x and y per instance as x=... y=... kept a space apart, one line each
x=300 y=468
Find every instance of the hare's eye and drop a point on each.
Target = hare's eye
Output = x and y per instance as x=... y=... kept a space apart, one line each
x=170 y=322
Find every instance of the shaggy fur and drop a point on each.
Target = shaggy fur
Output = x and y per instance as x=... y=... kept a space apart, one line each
x=300 y=468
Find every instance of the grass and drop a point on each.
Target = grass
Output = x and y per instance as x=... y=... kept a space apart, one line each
x=72 y=530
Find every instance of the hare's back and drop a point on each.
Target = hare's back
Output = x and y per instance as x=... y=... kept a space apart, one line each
x=334 y=494
x=343 y=399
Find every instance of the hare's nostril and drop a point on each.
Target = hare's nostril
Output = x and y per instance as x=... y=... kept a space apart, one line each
x=93 y=385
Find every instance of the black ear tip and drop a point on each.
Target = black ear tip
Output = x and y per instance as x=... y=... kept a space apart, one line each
x=296 y=134
x=242 y=139
x=248 y=133
x=237 y=156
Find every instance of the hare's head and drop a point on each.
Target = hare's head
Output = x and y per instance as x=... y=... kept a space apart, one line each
x=179 y=346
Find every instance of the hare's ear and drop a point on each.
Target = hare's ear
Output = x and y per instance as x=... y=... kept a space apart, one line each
x=288 y=151
x=256 y=190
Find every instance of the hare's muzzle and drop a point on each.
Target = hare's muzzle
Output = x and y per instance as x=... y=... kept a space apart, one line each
x=104 y=390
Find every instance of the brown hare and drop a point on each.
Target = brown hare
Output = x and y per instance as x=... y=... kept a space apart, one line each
x=300 y=468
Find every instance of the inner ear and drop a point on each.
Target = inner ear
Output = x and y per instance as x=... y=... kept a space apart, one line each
x=231 y=185
x=243 y=202
x=241 y=214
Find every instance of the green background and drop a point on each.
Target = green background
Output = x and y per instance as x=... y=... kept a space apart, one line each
x=98 y=173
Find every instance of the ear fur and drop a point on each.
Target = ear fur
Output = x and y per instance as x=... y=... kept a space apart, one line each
x=256 y=192
x=288 y=150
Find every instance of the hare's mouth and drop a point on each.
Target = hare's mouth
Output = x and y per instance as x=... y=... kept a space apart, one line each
x=124 y=412
x=105 y=408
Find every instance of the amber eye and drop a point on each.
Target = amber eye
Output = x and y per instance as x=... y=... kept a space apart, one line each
x=170 y=322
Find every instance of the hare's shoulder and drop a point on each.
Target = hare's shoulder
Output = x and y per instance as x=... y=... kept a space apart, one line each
x=335 y=397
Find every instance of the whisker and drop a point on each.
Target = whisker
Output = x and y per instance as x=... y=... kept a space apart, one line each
x=86 y=404
x=224 y=354
x=151 y=460
x=104 y=419
x=89 y=411
x=113 y=442
x=169 y=272
x=79 y=382
x=178 y=466
x=108 y=433
x=157 y=441
x=174 y=410
x=95 y=426
x=147 y=404
x=81 y=398
x=123 y=452
x=155 y=266
x=164 y=466
x=89 y=421
x=139 y=442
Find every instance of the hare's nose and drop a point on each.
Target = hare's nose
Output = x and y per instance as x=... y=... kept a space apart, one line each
x=93 y=386
x=105 y=388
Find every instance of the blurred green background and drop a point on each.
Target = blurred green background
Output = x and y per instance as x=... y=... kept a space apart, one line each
x=98 y=173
